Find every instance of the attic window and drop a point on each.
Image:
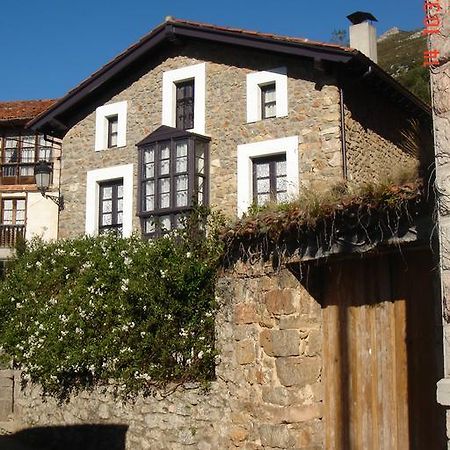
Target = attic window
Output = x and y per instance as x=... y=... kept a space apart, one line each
x=111 y=126
x=173 y=178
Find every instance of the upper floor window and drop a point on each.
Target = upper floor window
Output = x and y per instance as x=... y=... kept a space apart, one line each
x=267 y=94
x=268 y=101
x=19 y=154
x=184 y=95
x=111 y=126
x=113 y=122
x=269 y=179
x=172 y=178
x=13 y=211
x=185 y=105
x=111 y=206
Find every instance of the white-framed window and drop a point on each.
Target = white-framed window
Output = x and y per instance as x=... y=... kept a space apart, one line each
x=267 y=94
x=248 y=158
x=184 y=95
x=111 y=126
x=99 y=181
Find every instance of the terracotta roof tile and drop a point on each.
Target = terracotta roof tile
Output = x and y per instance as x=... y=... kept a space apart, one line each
x=23 y=110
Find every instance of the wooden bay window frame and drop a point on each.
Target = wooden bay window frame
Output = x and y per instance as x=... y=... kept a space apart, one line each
x=160 y=140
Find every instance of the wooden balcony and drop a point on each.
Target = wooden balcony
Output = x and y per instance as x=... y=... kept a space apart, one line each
x=9 y=235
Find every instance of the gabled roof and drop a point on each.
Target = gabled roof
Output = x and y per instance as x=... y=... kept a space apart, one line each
x=57 y=118
x=21 y=111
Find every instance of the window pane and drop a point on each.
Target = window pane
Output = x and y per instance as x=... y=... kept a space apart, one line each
x=21 y=205
x=165 y=151
x=106 y=219
x=181 y=148
x=107 y=192
x=119 y=218
x=164 y=200
x=107 y=206
x=165 y=223
x=263 y=199
x=28 y=155
x=7 y=204
x=149 y=188
x=181 y=182
x=270 y=94
x=149 y=225
x=150 y=203
x=164 y=167
x=7 y=217
x=281 y=167
x=26 y=171
x=120 y=191
x=262 y=170
x=270 y=110
x=281 y=183
x=120 y=205
x=149 y=155
x=149 y=170
x=164 y=185
x=181 y=164
x=282 y=197
x=20 y=217
x=263 y=185
x=182 y=198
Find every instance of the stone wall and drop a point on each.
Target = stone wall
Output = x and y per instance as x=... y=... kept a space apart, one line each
x=374 y=143
x=268 y=392
x=314 y=116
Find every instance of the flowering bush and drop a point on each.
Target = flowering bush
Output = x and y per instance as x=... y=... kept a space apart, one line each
x=86 y=311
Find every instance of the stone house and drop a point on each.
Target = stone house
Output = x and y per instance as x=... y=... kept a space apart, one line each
x=195 y=113
x=24 y=211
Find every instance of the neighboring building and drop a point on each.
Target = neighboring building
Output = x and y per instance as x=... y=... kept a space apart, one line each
x=24 y=212
x=195 y=113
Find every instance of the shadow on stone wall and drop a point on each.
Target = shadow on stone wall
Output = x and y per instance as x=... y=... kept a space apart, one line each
x=74 y=437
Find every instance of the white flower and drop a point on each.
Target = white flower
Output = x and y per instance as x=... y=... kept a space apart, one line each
x=200 y=354
x=188 y=255
x=163 y=273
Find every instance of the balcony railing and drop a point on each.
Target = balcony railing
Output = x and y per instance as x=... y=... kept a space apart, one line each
x=10 y=233
x=18 y=173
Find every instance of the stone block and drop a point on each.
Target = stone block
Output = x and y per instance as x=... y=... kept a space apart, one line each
x=245 y=352
x=285 y=343
x=293 y=414
x=265 y=340
x=298 y=371
x=275 y=436
x=238 y=434
x=245 y=314
x=314 y=346
x=280 y=301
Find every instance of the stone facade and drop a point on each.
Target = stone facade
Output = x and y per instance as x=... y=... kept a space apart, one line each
x=373 y=135
x=268 y=392
x=314 y=115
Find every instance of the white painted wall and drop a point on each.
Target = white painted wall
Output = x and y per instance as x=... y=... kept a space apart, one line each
x=41 y=217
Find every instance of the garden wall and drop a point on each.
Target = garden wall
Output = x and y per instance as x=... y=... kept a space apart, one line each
x=268 y=391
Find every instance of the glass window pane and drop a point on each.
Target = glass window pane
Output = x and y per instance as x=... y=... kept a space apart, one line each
x=120 y=204
x=20 y=217
x=149 y=188
x=181 y=164
x=107 y=206
x=263 y=186
x=164 y=167
x=149 y=225
x=182 y=198
x=270 y=110
x=263 y=199
x=20 y=204
x=165 y=151
x=262 y=170
x=181 y=183
x=181 y=148
x=282 y=197
x=270 y=94
x=150 y=203
x=149 y=155
x=26 y=171
x=281 y=167
x=149 y=170
x=164 y=200
x=281 y=183
x=106 y=219
x=164 y=185
x=165 y=223
x=107 y=192
x=7 y=204
x=119 y=218
x=120 y=191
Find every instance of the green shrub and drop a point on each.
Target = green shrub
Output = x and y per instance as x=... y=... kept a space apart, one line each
x=86 y=311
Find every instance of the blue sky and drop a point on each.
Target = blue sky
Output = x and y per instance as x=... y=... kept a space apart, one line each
x=49 y=46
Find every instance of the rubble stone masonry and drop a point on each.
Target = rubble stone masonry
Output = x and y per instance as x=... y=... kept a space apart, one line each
x=268 y=393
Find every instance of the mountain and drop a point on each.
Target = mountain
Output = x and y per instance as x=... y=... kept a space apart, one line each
x=400 y=53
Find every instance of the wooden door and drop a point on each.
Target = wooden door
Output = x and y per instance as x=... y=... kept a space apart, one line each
x=382 y=349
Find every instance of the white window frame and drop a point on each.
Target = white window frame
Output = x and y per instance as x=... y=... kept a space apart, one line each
x=102 y=113
x=196 y=72
x=245 y=155
x=97 y=176
x=254 y=82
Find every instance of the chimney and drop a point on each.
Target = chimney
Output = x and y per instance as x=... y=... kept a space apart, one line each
x=363 y=35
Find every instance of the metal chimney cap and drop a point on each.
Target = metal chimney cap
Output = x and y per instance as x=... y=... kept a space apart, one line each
x=360 y=16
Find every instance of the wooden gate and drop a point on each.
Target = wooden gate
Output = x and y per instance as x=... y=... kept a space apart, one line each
x=382 y=354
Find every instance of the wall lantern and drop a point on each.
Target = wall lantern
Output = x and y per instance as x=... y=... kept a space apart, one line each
x=43 y=174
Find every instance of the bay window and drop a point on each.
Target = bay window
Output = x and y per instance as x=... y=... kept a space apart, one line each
x=172 y=178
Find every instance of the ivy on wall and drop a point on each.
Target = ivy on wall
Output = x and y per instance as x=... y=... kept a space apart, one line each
x=87 y=311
